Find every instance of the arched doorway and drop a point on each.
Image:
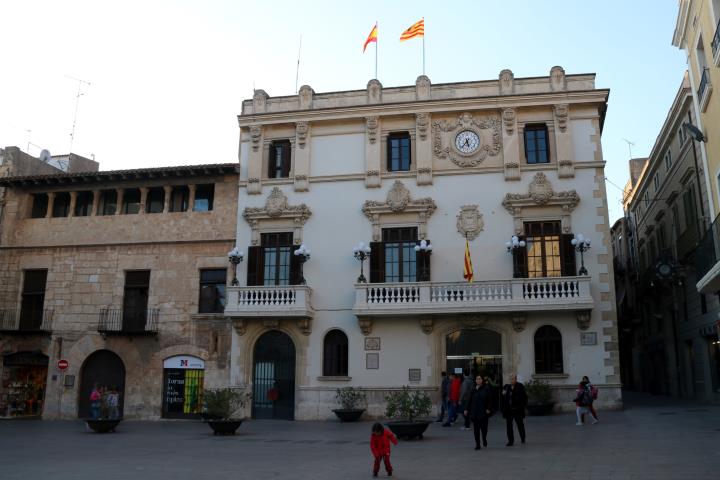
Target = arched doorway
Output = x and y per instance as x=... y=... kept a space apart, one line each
x=476 y=352
x=107 y=370
x=274 y=377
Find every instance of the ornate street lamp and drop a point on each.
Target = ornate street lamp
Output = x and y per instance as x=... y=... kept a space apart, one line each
x=235 y=256
x=361 y=252
x=514 y=246
x=426 y=248
x=582 y=245
x=303 y=254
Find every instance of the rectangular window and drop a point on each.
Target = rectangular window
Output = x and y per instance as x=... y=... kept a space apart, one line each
x=276 y=257
x=39 y=205
x=398 y=152
x=279 y=161
x=155 y=201
x=83 y=204
x=179 y=198
x=536 y=144
x=399 y=252
x=204 y=196
x=131 y=201
x=681 y=136
x=668 y=160
x=61 y=204
x=108 y=202
x=656 y=182
x=212 y=290
x=135 y=300
x=33 y=299
x=543 y=249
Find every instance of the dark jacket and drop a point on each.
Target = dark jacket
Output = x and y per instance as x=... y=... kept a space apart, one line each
x=514 y=400
x=444 y=386
x=467 y=385
x=479 y=402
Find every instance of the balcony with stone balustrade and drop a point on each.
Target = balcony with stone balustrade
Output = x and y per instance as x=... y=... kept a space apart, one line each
x=270 y=305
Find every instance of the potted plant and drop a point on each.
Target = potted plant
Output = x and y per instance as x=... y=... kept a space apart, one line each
x=220 y=407
x=108 y=413
x=350 y=401
x=407 y=407
x=540 y=401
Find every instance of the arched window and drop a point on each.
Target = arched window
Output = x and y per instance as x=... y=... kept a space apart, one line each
x=548 y=350
x=335 y=354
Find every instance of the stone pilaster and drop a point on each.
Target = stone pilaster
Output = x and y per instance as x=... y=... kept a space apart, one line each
x=563 y=141
x=51 y=204
x=191 y=197
x=143 y=199
x=73 y=202
x=372 y=152
x=511 y=144
x=119 y=203
x=301 y=168
x=255 y=160
x=95 y=202
x=423 y=149
x=167 y=197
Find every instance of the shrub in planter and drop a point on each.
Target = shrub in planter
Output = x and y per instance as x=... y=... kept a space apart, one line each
x=221 y=404
x=540 y=401
x=407 y=407
x=351 y=402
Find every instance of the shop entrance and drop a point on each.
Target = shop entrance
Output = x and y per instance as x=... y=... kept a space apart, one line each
x=476 y=352
x=274 y=377
x=107 y=370
x=24 y=376
x=183 y=378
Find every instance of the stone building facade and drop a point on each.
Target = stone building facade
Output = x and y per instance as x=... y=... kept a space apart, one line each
x=121 y=274
x=399 y=169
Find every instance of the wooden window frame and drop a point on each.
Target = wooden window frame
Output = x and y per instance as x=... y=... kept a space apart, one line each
x=536 y=127
x=404 y=162
x=279 y=166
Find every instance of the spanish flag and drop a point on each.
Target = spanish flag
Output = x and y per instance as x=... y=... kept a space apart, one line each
x=371 y=38
x=467 y=268
x=417 y=29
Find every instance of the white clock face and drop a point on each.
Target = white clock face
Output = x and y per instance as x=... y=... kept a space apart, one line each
x=467 y=141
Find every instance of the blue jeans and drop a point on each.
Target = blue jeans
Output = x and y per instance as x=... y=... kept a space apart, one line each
x=94 y=410
x=452 y=412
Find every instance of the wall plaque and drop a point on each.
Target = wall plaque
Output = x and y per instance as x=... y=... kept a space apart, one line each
x=588 y=338
x=372 y=343
x=414 y=374
x=372 y=361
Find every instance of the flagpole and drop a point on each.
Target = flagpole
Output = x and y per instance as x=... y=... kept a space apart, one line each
x=376 y=48
x=423 y=45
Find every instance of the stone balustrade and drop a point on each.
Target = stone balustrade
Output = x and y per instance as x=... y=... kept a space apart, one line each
x=269 y=301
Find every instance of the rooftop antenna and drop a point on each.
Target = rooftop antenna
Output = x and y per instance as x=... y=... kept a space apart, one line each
x=77 y=104
x=29 y=132
x=630 y=145
x=297 y=70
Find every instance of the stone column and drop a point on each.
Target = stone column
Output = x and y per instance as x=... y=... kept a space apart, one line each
x=563 y=141
x=191 y=198
x=51 y=204
x=143 y=199
x=120 y=195
x=168 y=196
x=73 y=202
x=95 y=203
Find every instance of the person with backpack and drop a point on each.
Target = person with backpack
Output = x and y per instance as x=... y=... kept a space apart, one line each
x=593 y=393
x=583 y=398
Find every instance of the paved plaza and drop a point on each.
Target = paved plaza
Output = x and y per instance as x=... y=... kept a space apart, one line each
x=653 y=438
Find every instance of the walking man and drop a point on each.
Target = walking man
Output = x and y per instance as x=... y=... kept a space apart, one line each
x=514 y=401
x=444 y=385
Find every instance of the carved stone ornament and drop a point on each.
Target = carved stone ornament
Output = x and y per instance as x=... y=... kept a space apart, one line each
x=473 y=321
x=301 y=130
x=508 y=116
x=240 y=325
x=485 y=128
x=557 y=78
x=422 y=88
x=399 y=201
x=255 y=136
x=371 y=124
x=365 y=324
x=561 y=116
x=260 y=98
x=305 y=97
x=507 y=82
x=426 y=324
x=422 y=122
x=374 y=91
x=305 y=324
x=276 y=207
x=519 y=321
x=583 y=319
x=470 y=222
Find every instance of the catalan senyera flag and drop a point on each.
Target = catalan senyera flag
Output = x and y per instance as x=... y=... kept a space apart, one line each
x=417 y=29
x=371 y=38
x=467 y=268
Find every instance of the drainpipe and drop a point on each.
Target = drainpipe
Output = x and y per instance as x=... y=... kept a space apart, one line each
x=697 y=179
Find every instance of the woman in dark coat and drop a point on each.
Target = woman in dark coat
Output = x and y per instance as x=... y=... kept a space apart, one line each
x=514 y=401
x=478 y=409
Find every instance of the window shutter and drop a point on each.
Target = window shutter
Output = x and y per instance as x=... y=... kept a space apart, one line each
x=567 y=255
x=255 y=266
x=271 y=161
x=377 y=262
x=422 y=265
x=295 y=266
x=286 y=155
x=520 y=261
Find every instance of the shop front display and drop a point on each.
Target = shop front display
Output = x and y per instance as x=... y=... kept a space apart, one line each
x=24 y=375
x=182 y=386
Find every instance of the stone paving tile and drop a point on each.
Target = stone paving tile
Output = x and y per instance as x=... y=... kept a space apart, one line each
x=637 y=443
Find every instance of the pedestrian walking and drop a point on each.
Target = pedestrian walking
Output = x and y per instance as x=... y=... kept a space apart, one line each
x=95 y=398
x=113 y=400
x=514 y=400
x=583 y=398
x=465 y=390
x=478 y=408
x=593 y=395
x=380 y=448
x=444 y=385
x=453 y=398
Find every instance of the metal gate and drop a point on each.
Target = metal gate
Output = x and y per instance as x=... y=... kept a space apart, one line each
x=107 y=370
x=274 y=377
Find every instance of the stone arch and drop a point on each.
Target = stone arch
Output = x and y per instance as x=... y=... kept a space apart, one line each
x=249 y=340
x=340 y=353
x=274 y=376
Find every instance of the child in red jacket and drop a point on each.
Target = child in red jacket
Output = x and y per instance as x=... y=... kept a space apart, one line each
x=380 y=447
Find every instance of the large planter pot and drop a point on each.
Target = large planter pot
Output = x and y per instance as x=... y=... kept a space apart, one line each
x=540 y=408
x=104 y=425
x=408 y=430
x=349 y=414
x=224 y=427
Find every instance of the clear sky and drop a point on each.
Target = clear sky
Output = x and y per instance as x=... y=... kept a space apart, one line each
x=167 y=78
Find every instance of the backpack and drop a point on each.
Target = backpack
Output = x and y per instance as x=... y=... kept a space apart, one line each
x=594 y=391
x=587 y=398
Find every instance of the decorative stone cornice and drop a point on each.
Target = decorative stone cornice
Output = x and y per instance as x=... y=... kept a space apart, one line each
x=301 y=131
x=422 y=120
x=470 y=222
x=509 y=116
x=541 y=193
x=371 y=125
x=561 y=116
x=255 y=136
x=473 y=321
x=276 y=207
x=399 y=201
x=442 y=134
